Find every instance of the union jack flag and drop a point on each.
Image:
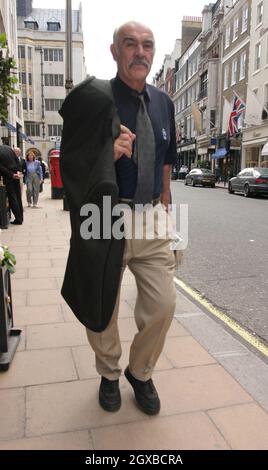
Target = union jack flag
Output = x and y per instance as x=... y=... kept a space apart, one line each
x=238 y=108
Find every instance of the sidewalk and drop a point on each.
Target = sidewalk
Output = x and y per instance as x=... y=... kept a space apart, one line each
x=213 y=390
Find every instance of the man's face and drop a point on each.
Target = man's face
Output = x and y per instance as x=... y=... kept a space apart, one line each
x=134 y=53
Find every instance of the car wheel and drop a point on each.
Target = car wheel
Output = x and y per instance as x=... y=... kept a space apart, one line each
x=193 y=183
x=230 y=189
x=246 y=190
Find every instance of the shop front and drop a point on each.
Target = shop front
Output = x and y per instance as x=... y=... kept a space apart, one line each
x=186 y=155
x=255 y=147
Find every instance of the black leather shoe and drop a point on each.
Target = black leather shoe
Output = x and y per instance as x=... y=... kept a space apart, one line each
x=109 y=394
x=16 y=222
x=145 y=394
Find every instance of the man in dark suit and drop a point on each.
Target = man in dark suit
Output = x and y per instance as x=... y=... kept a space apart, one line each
x=140 y=106
x=10 y=171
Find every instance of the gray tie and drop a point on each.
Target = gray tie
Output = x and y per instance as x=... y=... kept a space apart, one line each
x=144 y=155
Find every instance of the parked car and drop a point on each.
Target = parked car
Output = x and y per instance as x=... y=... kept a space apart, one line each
x=250 y=181
x=200 y=176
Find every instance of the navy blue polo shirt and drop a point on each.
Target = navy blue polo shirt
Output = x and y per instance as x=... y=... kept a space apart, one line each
x=161 y=111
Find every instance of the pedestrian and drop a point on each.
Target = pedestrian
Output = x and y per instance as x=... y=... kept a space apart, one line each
x=33 y=178
x=135 y=128
x=10 y=171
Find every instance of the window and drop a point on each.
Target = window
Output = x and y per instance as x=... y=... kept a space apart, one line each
x=53 y=55
x=21 y=52
x=189 y=96
x=30 y=103
x=30 y=78
x=25 y=104
x=203 y=84
x=244 y=19
x=235 y=28
x=257 y=61
x=259 y=13
x=53 y=105
x=22 y=78
x=234 y=72
x=54 y=130
x=29 y=53
x=188 y=127
x=212 y=118
x=32 y=129
x=266 y=95
x=227 y=35
x=53 y=79
x=53 y=26
x=18 y=107
x=190 y=73
x=31 y=25
x=243 y=58
x=226 y=77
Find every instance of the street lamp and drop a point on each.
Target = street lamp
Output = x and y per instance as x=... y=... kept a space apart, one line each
x=40 y=49
x=69 y=55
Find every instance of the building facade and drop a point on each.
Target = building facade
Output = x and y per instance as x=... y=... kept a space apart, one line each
x=209 y=71
x=255 y=131
x=186 y=94
x=11 y=131
x=42 y=53
x=235 y=62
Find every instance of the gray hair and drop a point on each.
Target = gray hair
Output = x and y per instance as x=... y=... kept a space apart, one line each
x=117 y=30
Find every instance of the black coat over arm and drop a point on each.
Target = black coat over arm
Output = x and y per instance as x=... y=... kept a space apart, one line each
x=93 y=269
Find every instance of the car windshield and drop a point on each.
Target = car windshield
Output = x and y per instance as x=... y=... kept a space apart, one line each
x=263 y=171
x=206 y=172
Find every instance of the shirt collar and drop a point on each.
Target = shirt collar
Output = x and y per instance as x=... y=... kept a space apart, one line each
x=124 y=88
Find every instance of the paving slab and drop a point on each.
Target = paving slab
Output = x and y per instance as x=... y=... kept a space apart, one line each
x=12 y=412
x=192 y=431
x=73 y=406
x=39 y=367
x=56 y=335
x=244 y=426
x=79 y=440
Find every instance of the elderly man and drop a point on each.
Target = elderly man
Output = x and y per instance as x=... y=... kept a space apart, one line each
x=144 y=150
x=151 y=261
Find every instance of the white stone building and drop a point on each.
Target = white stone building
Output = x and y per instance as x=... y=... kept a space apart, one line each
x=42 y=53
x=11 y=132
x=255 y=132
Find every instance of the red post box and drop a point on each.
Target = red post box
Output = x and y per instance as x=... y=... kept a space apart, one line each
x=56 y=182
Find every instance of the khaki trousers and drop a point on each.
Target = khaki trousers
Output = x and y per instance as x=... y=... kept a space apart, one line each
x=152 y=262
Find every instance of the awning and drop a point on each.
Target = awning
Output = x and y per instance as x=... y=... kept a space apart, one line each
x=10 y=127
x=220 y=153
x=264 y=152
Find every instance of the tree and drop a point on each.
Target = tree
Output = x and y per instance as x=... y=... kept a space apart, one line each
x=7 y=79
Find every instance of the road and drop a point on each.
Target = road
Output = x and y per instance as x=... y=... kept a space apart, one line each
x=227 y=255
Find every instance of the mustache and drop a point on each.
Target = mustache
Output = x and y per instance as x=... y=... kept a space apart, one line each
x=139 y=62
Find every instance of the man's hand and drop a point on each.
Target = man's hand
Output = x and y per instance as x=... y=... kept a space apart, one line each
x=123 y=143
x=165 y=199
x=17 y=175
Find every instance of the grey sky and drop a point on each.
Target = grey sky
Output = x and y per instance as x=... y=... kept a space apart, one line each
x=100 y=18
